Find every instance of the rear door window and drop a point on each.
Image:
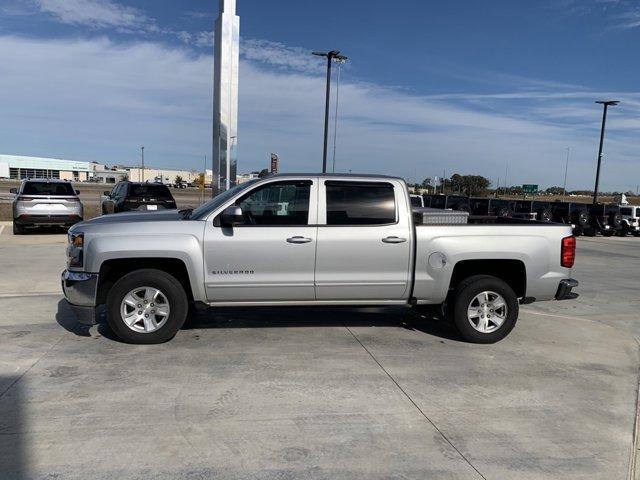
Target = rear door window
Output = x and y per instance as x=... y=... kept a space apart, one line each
x=360 y=203
x=48 y=188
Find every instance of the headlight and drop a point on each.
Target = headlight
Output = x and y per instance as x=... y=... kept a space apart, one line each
x=76 y=239
x=74 y=250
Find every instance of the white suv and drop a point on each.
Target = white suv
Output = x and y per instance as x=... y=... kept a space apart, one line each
x=630 y=219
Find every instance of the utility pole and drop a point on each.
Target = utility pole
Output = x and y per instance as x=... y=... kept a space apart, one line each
x=605 y=104
x=506 y=175
x=333 y=54
x=340 y=62
x=566 y=168
x=142 y=154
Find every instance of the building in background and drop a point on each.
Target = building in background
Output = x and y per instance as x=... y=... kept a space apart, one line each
x=245 y=177
x=20 y=167
x=225 y=95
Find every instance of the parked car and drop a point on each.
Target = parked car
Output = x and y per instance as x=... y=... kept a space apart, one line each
x=438 y=201
x=45 y=202
x=493 y=207
x=342 y=240
x=604 y=219
x=417 y=201
x=569 y=213
x=458 y=202
x=630 y=219
x=451 y=202
x=133 y=196
x=533 y=210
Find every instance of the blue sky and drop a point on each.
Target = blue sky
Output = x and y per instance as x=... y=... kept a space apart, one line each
x=464 y=86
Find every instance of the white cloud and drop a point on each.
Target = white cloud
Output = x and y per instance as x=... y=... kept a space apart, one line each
x=96 y=13
x=97 y=99
x=280 y=56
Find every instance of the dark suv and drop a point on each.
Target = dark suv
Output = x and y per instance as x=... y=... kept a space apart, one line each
x=496 y=207
x=533 y=210
x=604 y=219
x=138 y=197
x=574 y=214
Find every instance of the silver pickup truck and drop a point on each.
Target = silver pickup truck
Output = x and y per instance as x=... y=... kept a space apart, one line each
x=311 y=240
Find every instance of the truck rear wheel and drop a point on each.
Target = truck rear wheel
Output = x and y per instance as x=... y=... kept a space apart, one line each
x=485 y=309
x=146 y=306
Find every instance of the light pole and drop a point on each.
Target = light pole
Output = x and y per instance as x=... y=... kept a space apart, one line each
x=605 y=104
x=566 y=169
x=142 y=155
x=340 y=62
x=333 y=54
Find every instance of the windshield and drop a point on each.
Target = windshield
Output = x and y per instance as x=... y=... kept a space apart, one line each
x=48 y=188
x=208 y=207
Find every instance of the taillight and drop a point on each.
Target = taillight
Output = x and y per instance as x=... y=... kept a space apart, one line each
x=568 y=252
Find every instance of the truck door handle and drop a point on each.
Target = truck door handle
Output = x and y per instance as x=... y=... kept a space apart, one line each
x=394 y=240
x=298 y=240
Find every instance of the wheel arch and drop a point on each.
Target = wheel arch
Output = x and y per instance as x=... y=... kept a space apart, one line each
x=511 y=271
x=113 y=269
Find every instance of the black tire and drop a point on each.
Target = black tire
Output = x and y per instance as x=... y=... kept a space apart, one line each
x=175 y=297
x=467 y=291
x=18 y=229
x=615 y=220
x=503 y=212
x=580 y=218
x=607 y=233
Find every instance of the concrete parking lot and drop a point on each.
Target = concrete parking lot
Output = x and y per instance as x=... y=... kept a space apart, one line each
x=319 y=393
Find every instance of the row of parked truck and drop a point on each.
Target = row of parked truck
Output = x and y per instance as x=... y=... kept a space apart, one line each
x=586 y=219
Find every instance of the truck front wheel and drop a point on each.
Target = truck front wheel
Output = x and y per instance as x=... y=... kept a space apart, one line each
x=146 y=306
x=485 y=309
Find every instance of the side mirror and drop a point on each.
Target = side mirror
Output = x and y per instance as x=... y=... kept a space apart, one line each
x=77 y=192
x=14 y=190
x=107 y=193
x=231 y=216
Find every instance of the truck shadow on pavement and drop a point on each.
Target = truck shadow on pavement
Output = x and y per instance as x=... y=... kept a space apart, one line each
x=431 y=323
x=12 y=448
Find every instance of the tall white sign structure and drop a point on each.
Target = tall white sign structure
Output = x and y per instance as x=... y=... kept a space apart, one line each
x=225 y=96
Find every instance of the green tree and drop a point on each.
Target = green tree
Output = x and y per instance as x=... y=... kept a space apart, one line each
x=200 y=180
x=178 y=180
x=472 y=185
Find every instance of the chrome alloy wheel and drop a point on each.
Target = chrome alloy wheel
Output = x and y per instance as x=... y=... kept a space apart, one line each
x=487 y=312
x=144 y=309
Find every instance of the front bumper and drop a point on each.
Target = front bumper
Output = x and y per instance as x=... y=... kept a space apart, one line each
x=564 y=289
x=80 y=289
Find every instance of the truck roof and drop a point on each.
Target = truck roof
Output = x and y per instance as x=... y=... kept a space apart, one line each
x=334 y=175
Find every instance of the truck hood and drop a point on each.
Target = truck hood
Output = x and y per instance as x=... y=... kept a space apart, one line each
x=125 y=217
